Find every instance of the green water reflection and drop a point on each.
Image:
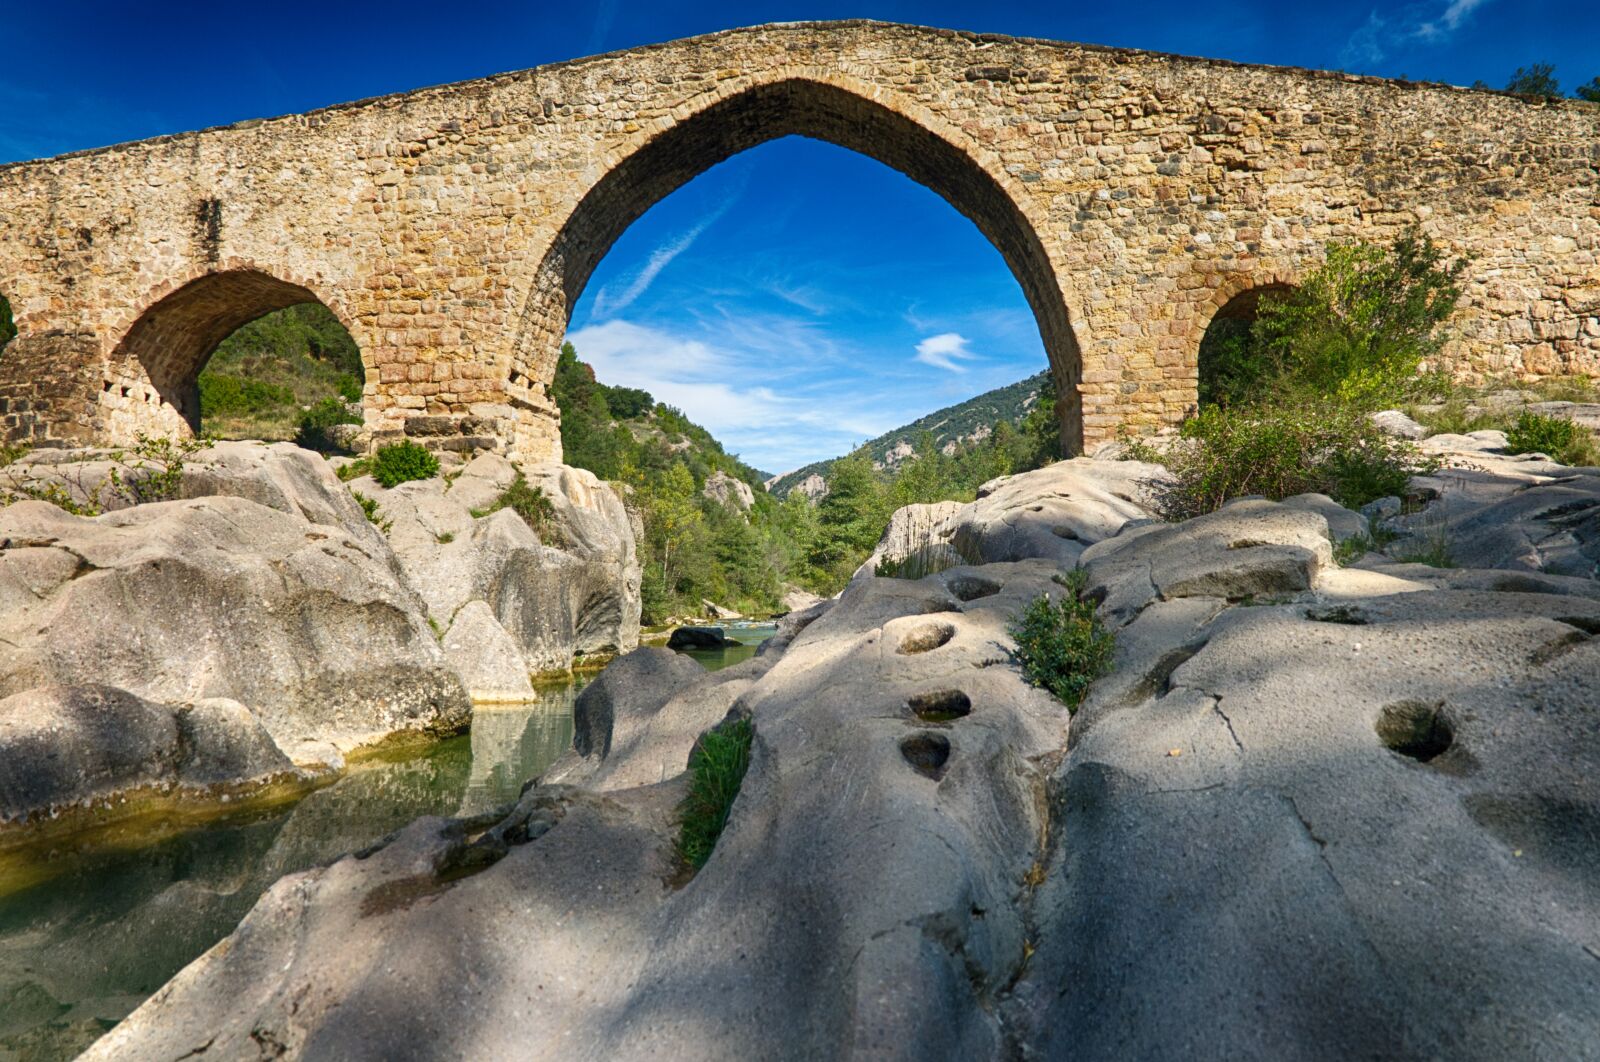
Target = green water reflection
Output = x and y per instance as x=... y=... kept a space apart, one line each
x=83 y=949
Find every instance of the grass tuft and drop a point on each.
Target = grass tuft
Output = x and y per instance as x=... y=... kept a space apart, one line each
x=716 y=771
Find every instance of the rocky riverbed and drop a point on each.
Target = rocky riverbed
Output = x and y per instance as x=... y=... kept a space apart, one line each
x=1314 y=811
x=242 y=639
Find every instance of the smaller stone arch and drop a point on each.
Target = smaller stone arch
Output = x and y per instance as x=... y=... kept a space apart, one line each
x=1223 y=329
x=151 y=381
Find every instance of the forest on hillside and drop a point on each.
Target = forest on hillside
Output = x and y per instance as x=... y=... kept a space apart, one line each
x=697 y=548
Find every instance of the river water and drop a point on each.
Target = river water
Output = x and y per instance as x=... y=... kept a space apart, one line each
x=107 y=926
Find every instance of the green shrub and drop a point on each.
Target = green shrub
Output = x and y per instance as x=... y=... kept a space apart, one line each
x=151 y=470
x=1062 y=646
x=369 y=508
x=402 y=462
x=535 y=508
x=221 y=394
x=1536 y=433
x=1358 y=329
x=1232 y=366
x=1282 y=451
x=317 y=423
x=716 y=770
x=349 y=388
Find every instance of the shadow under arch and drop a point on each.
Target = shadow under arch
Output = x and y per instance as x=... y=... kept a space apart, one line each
x=812 y=106
x=1224 y=358
x=157 y=364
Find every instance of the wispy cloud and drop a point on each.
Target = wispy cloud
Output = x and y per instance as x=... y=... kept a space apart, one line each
x=608 y=305
x=771 y=428
x=945 y=351
x=1451 y=20
x=605 y=14
x=1383 y=33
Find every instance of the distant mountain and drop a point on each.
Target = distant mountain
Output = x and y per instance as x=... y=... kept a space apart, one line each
x=969 y=421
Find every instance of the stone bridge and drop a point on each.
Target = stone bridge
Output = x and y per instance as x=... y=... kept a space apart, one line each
x=1133 y=195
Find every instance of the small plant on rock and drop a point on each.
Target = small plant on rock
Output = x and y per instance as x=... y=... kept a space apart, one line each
x=402 y=462
x=1062 y=645
x=318 y=422
x=369 y=508
x=533 y=505
x=154 y=468
x=1536 y=433
x=716 y=771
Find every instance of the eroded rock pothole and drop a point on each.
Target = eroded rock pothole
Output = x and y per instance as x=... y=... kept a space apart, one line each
x=927 y=752
x=1419 y=730
x=940 y=706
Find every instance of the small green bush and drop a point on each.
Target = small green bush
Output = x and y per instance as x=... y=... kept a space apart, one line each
x=222 y=394
x=402 y=462
x=1277 y=452
x=535 y=508
x=1536 y=433
x=317 y=423
x=716 y=771
x=369 y=508
x=1062 y=646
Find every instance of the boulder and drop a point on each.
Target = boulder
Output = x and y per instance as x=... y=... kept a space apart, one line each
x=1397 y=423
x=181 y=601
x=577 y=593
x=797 y=600
x=729 y=491
x=488 y=660
x=1246 y=549
x=86 y=744
x=716 y=611
x=615 y=706
x=1055 y=511
x=1342 y=523
x=699 y=638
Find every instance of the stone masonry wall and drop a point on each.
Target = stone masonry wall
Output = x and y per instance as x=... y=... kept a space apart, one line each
x=452 y=228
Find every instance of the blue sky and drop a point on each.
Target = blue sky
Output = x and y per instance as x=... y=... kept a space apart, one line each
x=796 y=299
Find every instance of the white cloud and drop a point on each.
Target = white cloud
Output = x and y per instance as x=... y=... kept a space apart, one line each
x=608 y=305
x=1451 y=20
x=1380 y=34
x=943 y=351
x=770 y=428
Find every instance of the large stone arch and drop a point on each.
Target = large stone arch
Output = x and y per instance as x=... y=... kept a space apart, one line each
x=743 y=114
x=151 y=378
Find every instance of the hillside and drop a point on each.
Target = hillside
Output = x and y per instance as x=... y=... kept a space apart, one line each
x=968 y=421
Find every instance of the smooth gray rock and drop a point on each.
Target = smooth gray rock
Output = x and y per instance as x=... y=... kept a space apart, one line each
x=1054 y=512
x=616 y=706
x=485 y=656
x=1397 y=423
x=181 y=601
x=1246 y=549
x=1342 y=523
x=86 y=744
x=575 y=594
x=1314 y=813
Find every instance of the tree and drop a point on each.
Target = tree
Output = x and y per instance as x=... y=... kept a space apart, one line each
x=1041 y=428
x=850 y=519
x=1590 y=91
x=1360 y=327
x=1536 y=80
x=672 y=519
